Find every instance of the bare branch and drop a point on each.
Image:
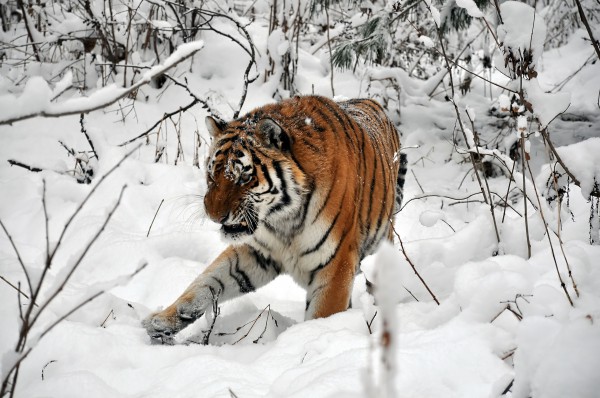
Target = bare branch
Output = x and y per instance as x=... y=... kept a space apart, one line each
x=587 y=27
x=16 y=288
x=78 y=262
x=25 y=166
x=84 y=131
x=21 y=262
x=154 y=218
x=412 y=265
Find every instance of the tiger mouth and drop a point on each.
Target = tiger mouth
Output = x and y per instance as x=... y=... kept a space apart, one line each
x=236 y=229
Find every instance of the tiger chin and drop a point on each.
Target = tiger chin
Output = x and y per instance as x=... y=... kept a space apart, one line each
x=306 y=187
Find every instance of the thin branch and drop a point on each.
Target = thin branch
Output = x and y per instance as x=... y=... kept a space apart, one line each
x=84 y=131
x=16 y=288
x=26 y=352
x=563 y=165
x=587 y=27
x=25 y=166
x=78 y=262
x=413 y=266
x=88 y=300
x=165 y=117
x=562 y=283
x=21 y=262
x=29 y=30
x=433 y=195
x=154 y=218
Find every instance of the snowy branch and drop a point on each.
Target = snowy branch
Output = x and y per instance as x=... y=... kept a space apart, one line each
x=34 y=102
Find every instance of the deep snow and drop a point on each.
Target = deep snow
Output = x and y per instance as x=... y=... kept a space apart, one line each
x=468 y=346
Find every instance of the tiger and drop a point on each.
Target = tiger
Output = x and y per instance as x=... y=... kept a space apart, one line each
x=306 y=187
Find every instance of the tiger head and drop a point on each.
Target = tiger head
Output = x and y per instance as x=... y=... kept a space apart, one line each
x=251 y=176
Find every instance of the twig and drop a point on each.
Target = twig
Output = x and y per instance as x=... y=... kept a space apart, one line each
x=587 y=27
x=326 y=5
x=526 y=218
x=216 y=312
x=487 y=186
x=438 y=196
x=112 y=312
x=252 y=323
x=508 y=387
x=154 y=218
x=165 y=116
x=576 y=181
x=16 y=288
x=84 y=131
x=370 y=323
x=79 y=260
x=29 y=31
x=25 y=166
x=46 y=365
x=562 y=283
x=413 y=267
x=417 y=180
x=558 y=235
x=21 y=262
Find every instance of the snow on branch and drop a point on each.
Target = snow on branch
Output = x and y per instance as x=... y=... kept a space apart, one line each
x=37 y=95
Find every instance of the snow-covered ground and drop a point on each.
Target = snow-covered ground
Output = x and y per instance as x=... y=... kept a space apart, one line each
x=501 y=317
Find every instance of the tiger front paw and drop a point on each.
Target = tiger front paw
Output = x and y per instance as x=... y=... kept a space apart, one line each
x=163 y=326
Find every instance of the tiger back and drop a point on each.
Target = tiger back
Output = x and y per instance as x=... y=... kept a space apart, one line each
x=306 y=187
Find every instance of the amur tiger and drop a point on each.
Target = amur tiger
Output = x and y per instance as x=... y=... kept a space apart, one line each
x=306 y=187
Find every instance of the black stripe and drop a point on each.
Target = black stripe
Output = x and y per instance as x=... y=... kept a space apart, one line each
x=375 y=229
x=341 y=118
x=325 y=263
x=307 y=199
x=311 y=146
x=285 y=199
x=220 y=282
x=265 y=262
x=326 y=234
x=262 y=244
x=240 y=276
x=333 y=181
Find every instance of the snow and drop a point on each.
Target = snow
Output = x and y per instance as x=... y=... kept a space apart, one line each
x=470 y=7
x=584 y=161
x=502 y=315
x=523 y=29
x=435 y=13
x=546 y=106
x=427 y=42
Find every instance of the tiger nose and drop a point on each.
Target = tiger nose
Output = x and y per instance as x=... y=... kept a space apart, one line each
x=219 y=218
x=215 y=213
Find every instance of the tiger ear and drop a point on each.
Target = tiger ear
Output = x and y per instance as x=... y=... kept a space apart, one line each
x=274 y=134
x=214 y=126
